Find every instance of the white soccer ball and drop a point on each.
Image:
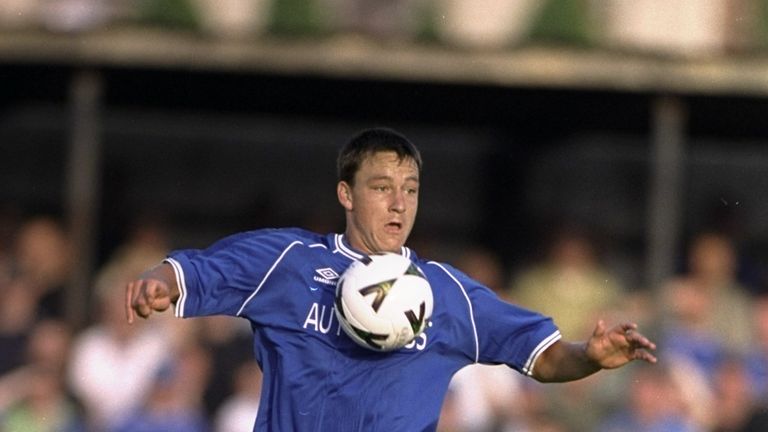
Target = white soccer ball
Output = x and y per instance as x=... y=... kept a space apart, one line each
x=383 y=302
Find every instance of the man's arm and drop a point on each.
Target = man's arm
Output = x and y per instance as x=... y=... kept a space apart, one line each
x=606 y=349
x=154 y=290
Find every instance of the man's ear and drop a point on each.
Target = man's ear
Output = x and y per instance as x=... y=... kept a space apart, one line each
x=344 y=194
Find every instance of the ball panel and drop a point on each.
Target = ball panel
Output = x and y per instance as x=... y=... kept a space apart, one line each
x=384 y=302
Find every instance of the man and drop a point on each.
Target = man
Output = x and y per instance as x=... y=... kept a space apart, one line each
x=315 y=377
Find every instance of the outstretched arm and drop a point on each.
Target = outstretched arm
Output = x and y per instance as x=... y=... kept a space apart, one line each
x=154 y=290
x=605 y=349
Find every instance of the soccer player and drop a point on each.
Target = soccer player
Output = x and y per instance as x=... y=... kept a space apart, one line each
x=315 y=377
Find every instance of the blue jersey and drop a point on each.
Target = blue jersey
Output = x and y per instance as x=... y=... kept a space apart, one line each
x=315 y=377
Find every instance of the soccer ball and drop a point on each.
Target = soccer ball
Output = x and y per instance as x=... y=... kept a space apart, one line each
x=383 y=302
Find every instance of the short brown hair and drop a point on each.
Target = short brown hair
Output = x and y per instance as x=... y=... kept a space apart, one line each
x=371 y=141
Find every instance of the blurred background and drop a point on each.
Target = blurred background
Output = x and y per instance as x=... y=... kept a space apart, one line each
x=610 y=154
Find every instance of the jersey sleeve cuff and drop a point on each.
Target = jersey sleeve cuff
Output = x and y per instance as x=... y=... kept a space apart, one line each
x=540 y=348
x=180 y=281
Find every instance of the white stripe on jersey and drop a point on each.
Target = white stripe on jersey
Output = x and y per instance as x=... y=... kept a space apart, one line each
x=540 y=348
x=179 y=273
x=469 y=303
x=344 y=250
x=349 y=253
x=266 y=276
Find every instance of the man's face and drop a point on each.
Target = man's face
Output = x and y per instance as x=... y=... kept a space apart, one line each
x=381 y=206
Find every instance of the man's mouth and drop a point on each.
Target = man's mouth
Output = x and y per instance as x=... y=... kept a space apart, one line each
x=394 y=226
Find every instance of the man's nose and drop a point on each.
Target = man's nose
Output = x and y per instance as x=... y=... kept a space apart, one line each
x=398 y=202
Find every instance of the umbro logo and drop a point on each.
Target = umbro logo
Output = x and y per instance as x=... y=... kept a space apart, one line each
x=327 y=273
x=326 y=276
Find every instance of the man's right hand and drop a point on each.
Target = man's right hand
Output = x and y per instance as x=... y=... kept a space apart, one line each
x=154 y=290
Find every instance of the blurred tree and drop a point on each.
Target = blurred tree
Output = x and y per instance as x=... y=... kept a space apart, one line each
x=296 y=18
x=173 y=14
x=761 y=24
x=566 y=22
x=426 y=16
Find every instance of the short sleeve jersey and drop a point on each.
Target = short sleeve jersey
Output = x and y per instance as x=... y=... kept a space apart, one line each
x=316 y=378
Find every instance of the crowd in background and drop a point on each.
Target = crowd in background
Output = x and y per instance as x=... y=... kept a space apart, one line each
x=679 y=27
x=711 y=325
x=111 y=376
x=709 y=322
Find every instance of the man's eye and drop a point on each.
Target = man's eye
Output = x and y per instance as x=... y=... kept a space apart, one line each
x=412 y=191
x=381 y=188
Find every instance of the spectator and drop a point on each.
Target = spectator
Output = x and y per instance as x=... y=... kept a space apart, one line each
x=572 y=274
x=757 y=357
x=734 y=397
x=113 y=363
x=34 y=397
x=18 y=314
x=44 y=406
x=147 y=238
x=238 y=411
x=654 y=405
x=229 y=342
x=43 y=256
x=487 y=398
x=484 y=266
x=174 y=399
x=9 y=221
x=707 y=311
x=31 y=282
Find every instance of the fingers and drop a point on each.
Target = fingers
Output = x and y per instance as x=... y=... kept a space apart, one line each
x=644 y=355
x=637 y=339
x=599 y=329
x=143 y=296
x=639 y=345
x=628 y=327
x=128 y=300
x=137 y=300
